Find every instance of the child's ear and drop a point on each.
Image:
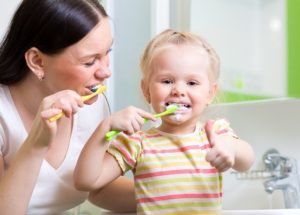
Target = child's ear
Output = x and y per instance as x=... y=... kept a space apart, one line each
x=145 y=90
x=212 y=92
x=34 y=61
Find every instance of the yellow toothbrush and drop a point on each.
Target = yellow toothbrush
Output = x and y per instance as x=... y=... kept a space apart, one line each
x=97 y=90
x=170 y=109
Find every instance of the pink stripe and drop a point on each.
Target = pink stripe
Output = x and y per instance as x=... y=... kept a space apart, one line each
x=126 y=155
x=224 y=131
x=181 y=149
x=180 y=196
x=175 y=172
x=206 y=146
x=152 y=135
x=135 y=138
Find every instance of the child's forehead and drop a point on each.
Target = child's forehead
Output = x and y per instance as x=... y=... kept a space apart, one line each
x=183 y=49
x=180 y=53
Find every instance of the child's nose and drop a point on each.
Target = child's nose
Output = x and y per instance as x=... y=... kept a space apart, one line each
x=178 y=90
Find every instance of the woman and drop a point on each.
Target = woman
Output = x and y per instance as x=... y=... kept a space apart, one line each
x=53 y=53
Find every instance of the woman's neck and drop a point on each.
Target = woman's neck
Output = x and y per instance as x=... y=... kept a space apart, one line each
x=28 y=94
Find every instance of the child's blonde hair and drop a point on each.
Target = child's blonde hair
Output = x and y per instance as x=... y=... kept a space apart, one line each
x=169 y=38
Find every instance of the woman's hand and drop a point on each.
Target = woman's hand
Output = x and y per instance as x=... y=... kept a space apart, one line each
x=43 y=131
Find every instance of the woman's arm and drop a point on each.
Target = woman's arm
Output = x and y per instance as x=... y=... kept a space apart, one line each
x=20 y=178
x=18 y=181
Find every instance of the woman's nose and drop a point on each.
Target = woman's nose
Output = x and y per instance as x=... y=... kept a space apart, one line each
x=103 y=71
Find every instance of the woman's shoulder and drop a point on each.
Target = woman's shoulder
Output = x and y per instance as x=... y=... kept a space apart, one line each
x=5 y=100
x=11 y=129
x=3 y=91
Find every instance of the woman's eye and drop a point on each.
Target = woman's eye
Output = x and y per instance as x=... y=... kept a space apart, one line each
x=90 y=63
x=108 y=51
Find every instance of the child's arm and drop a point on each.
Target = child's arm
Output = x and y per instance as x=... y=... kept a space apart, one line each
x=228 y=151
x=96 y=168
x=123 y=188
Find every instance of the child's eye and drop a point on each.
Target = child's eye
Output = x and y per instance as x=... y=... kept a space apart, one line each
x=192 y=83
x=167 y=82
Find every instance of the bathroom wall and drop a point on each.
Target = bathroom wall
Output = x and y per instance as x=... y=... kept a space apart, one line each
x=250 y=39
x=131 y=21
x=6 y=10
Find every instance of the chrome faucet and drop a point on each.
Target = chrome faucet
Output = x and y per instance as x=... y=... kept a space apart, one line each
x=283 y=176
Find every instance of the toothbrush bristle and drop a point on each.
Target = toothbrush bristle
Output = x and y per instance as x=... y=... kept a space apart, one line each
x=95 y=88
x=172 y=108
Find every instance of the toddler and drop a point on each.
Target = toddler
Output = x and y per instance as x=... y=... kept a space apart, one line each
x=177 y=166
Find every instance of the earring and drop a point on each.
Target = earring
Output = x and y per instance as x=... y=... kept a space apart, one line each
x=41 y=77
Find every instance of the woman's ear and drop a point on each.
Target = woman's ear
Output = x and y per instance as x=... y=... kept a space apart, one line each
x=34 y=61
x=145 y=90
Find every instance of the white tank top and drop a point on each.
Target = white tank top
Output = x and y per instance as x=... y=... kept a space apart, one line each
x=54 y=192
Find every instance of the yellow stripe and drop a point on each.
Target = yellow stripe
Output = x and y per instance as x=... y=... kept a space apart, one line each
x=187 y=179
x=173 y=165
x=162 y=142
x=177 y=156
x=201 y=207
x=175 y=189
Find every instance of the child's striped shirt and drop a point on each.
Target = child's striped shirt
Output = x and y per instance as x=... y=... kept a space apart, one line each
x=170 y=171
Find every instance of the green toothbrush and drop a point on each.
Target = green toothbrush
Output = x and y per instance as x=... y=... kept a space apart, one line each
x=170 y=109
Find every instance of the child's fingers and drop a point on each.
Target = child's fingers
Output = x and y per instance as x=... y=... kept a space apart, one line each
x=211 y=155
x=146 y=115
x=211 y=135
x=223 y=167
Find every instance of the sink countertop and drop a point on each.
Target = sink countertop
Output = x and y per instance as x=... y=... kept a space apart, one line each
x=237 y=212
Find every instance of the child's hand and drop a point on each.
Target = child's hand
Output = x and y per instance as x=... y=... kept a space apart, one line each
x=222 y=153
x=129 y=120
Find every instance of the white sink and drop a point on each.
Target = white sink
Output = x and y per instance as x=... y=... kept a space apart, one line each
x=238 y=212
x=262 y=212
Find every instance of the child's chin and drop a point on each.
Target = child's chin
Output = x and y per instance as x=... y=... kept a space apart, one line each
x=177 y=119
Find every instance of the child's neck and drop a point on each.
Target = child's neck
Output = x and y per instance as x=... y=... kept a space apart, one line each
x=177 y=129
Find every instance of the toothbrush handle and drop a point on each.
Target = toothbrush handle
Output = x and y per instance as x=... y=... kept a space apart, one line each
x=56 y=117
x=111 y=134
